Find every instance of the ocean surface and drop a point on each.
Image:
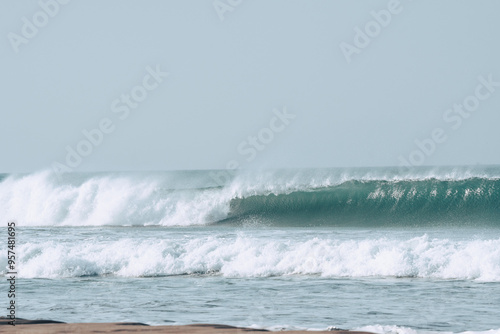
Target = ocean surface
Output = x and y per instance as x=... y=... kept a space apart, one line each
x=387 y=250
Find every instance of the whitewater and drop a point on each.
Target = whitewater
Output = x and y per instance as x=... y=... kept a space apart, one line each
x=195 y=197
x=380 y=249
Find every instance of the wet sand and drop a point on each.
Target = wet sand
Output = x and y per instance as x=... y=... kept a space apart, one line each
x=52 y=327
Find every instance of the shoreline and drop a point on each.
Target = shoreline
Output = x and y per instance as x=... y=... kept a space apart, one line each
x=56 y=327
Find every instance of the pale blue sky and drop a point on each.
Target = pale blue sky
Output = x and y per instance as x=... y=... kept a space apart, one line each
x=226 y=77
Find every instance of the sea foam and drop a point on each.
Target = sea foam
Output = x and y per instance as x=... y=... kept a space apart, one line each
x=248 y=256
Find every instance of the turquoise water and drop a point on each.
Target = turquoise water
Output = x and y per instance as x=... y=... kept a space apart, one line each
x=381 y=250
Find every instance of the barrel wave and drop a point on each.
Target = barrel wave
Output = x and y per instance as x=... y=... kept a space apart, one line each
x=470 y=200
x=279 y=197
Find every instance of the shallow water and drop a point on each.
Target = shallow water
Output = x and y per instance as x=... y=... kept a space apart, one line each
x=211 y=280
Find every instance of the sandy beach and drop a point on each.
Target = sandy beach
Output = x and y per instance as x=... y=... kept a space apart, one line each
x=54 y=327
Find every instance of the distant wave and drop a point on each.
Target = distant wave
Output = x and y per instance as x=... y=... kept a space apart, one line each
x=247 y=256
x=295 y=197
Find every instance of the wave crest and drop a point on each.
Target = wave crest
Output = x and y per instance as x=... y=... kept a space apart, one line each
x=307 y=197
x=246 y=256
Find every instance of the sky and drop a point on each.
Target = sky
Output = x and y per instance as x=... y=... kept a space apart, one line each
x=170 y=85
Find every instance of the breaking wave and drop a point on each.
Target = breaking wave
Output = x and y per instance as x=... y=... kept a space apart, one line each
x=249 y=256
x=296 y=197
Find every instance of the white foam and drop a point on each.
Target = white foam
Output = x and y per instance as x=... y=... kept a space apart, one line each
x=247 y=256
x=41 y=200
x=377 y=329
x=392 y=329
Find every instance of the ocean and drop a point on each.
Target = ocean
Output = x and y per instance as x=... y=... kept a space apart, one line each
x=387 y=250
